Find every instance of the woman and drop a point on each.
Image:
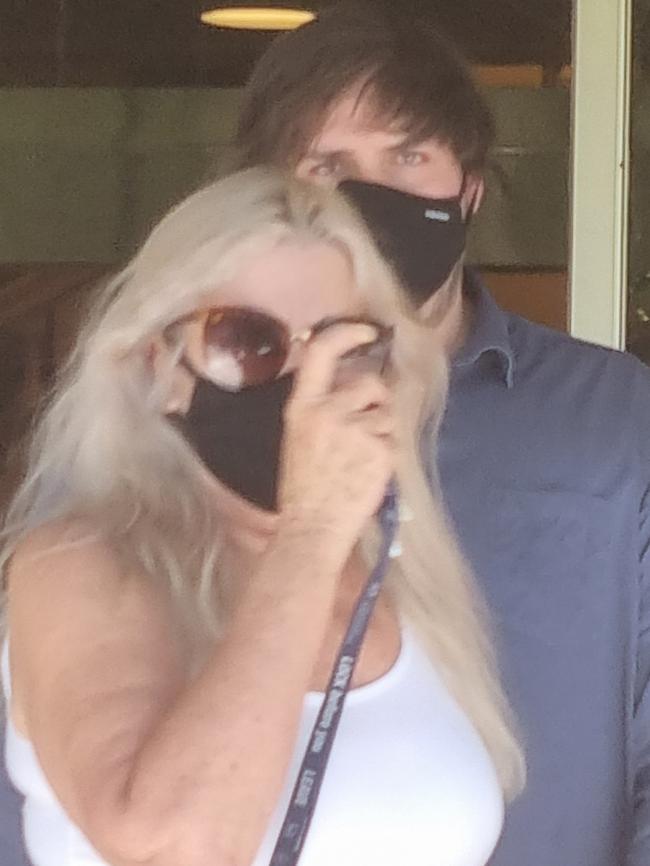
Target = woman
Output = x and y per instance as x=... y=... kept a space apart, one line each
x=178 y=584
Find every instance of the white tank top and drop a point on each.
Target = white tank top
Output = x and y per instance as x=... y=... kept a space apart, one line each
x=409 y=782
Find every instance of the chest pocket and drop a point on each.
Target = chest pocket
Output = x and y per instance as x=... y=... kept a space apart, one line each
x=546 y=561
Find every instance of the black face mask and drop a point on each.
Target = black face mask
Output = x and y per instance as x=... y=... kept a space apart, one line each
x=238 y=435
x=422 y=238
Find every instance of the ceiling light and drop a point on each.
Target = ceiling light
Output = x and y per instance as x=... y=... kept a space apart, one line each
x=257 y=18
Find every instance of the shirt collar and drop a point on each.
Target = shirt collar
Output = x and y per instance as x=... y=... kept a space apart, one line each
x=489 y=333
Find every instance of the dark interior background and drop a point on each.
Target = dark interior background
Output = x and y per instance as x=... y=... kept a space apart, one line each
x=114 y=109
x=161 y=43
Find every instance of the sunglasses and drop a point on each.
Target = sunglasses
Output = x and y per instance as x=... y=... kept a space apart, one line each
x=241 y=347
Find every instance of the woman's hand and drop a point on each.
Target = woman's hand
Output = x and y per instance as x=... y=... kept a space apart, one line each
x=338 y=450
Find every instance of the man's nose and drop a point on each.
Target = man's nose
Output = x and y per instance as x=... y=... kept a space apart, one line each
x=367 y=170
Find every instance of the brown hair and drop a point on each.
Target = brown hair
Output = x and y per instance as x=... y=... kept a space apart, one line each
x=412 y=73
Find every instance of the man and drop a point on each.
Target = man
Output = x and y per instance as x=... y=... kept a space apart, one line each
x=545 y=448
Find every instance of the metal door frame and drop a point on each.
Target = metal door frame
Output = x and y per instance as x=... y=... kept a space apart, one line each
x=600 y=163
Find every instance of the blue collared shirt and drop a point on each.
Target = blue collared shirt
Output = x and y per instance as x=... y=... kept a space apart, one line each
x=544 y=461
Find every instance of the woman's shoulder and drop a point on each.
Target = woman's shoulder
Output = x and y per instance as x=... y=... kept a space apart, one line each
x=73 y=560
x=66 y=538
x=72 y=603
x=82 y=628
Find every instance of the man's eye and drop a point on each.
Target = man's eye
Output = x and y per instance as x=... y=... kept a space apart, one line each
x=410 y=157
x=324 y=169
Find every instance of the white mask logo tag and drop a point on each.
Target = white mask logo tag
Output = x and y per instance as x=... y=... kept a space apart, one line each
x=438 y=215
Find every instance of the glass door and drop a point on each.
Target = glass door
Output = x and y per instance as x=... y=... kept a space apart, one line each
x=638 y=296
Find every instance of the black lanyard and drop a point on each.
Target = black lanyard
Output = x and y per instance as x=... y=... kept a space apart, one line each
x=314 y=763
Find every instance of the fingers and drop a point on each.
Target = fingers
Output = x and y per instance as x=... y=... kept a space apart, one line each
x=380 y=423
x=363 y=393
x=339 y=449
x=315 y=377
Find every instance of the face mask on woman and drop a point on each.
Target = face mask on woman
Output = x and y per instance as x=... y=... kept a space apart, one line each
x=235 y=418
x=238 y=435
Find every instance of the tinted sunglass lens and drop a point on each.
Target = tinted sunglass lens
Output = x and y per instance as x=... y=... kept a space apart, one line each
x=368 y=357
x=244 y=347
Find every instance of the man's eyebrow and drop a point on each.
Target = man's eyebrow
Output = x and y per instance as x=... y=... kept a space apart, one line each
x=410 y=139
x=319 y=153
x=407 y=139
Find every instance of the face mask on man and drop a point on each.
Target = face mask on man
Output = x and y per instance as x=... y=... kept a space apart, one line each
x=422 y=238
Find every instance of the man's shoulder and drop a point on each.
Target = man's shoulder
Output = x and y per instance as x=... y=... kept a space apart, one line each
x=587 y=407
x=536 y=347
x=593 y=395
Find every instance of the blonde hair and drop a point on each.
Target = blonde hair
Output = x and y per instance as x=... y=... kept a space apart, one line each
x=104 y=452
